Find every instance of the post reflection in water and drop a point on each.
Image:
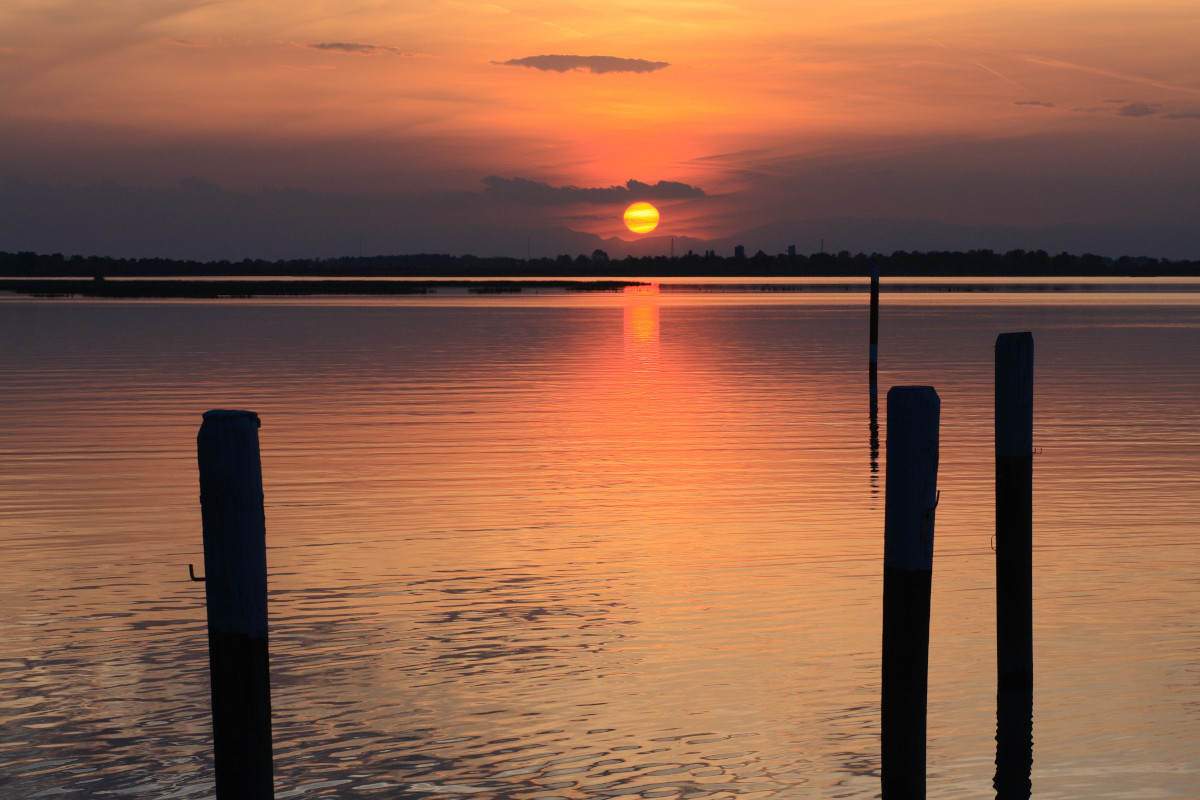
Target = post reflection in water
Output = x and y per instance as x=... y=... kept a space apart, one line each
x=1014 y=744
x=873 y=407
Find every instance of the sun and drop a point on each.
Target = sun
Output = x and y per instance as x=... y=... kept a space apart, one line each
x=641 y=218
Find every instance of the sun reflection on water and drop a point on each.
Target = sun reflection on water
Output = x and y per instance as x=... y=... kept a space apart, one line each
x=641 y=322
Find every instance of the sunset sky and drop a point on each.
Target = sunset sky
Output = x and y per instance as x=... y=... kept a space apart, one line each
x=250 y=128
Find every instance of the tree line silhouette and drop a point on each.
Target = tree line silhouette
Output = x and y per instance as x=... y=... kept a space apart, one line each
x=972 y=263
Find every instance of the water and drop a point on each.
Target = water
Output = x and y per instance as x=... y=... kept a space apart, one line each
x=560 y=546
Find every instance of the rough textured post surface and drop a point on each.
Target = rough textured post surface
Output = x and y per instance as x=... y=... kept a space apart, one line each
x=1014 y=510
x=235 y=566
x=913 y=414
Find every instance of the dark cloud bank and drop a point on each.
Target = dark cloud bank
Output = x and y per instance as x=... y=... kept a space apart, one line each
x=596 y=64
x=359 y=49
x=1153 y=109
x=521 y=190
x=1138 y=110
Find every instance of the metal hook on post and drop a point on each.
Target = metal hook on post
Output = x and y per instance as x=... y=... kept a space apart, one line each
x=192 y=575
x=927 y=519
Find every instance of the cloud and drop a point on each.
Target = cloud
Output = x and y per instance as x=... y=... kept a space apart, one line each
x=1041 y=103
x=596 y=64
x=205 y=42
x=530 y=192
x=1138 y=110
x=1183 y=115
x=361 y=49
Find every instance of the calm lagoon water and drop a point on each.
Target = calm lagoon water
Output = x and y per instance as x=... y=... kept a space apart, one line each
x=590 y=546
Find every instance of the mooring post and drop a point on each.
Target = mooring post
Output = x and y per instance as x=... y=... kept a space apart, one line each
x=874 y=324
x=235 y=566
x=873 y=405
x=910 y=499
x=1014 y=510
x=1014 y=566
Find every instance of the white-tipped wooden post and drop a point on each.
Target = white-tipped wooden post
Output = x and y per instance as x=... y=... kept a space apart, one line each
x=913 y=414
x=1014 y=510
x=235 y=566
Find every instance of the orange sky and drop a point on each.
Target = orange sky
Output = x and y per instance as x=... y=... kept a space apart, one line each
x=1014 y=113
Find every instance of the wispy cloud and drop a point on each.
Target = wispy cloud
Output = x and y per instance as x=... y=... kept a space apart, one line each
x=596 y=64
x=1040 y=103
x=1138 y=110
x=522 y=190
x=1183 y=115
x=361 y=49
x=209 y=41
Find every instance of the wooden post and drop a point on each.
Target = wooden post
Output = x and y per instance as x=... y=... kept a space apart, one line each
x=910 y=499
x=873 y=406
x=874 y=323
x=1014 y=566
x=1014 y=510
x=235 y=566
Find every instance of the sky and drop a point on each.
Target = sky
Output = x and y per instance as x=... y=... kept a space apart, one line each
x=246 y=128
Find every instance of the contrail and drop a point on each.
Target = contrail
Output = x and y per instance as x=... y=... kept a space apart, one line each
x=1049 y=62
x=997 y=73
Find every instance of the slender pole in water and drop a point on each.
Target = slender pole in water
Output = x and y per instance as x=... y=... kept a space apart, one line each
x=910 y=499
x=235 y=566
x=873 y=375
x=874 y=322
x=1014 y=565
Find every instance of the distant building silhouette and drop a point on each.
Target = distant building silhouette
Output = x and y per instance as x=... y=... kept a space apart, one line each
x=739 y=251
x=791 y=251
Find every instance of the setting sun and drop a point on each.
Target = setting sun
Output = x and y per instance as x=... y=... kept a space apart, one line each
x=641 y=218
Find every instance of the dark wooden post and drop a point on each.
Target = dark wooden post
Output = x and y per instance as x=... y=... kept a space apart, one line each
x=1014 y=566
x=1014 y=510
x=873 y=375
x=910 y=499
x=235 y=566
x=874 y=352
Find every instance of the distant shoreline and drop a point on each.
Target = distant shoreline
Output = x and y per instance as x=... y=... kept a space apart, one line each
x=438 y=268
x=225 y=288
x=172 y=288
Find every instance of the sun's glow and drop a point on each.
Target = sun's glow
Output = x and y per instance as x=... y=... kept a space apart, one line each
x=641 y=218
